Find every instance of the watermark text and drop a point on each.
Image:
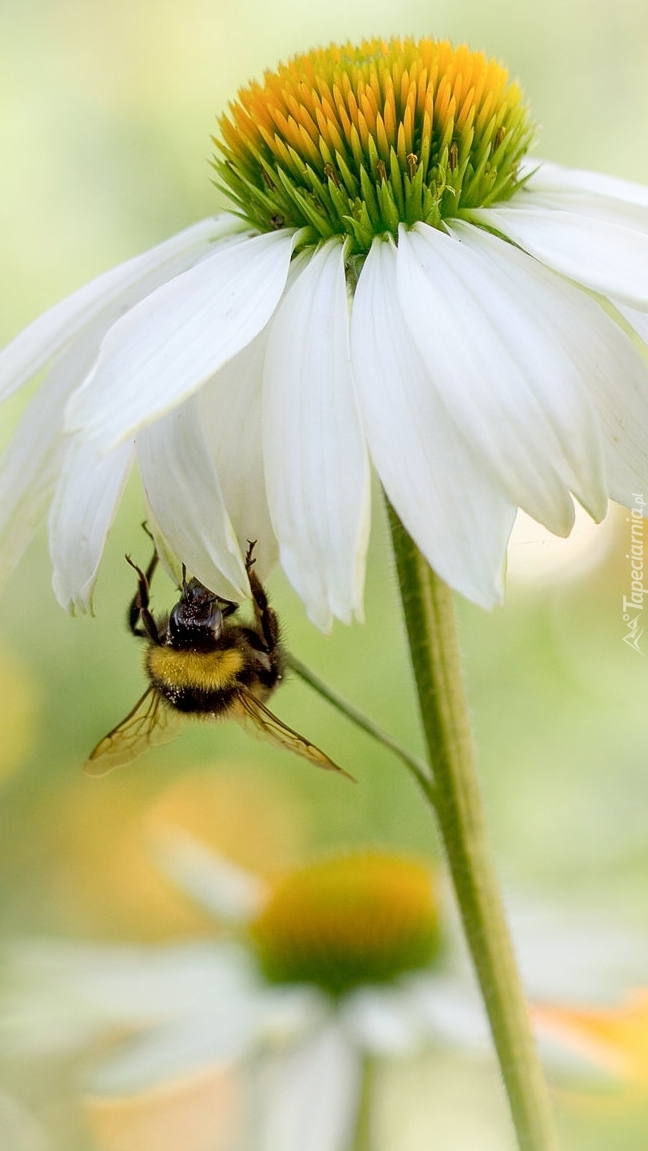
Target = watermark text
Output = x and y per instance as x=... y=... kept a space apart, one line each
x=633 y=603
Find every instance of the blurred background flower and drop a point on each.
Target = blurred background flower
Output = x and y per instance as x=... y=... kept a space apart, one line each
x=106 y=116
x=269 y=1034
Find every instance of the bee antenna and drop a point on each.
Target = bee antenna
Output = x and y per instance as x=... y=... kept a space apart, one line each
x=184 y=576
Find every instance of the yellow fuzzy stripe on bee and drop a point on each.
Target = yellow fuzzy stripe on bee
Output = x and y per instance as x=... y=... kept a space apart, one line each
x=207 y=671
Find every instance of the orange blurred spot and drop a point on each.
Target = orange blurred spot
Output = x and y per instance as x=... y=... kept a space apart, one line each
x=237 y=810
x=104 y=879
x=615 y=1039
x=199 y=1112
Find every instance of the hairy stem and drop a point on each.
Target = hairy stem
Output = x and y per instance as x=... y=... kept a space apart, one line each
x=429 y=617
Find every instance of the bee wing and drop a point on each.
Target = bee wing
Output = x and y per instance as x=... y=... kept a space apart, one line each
x=277 y=732
x=149 y=723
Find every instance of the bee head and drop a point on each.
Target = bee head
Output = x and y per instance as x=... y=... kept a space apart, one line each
x=196 y=621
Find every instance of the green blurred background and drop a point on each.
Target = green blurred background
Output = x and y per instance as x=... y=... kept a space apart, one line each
x=106 y=113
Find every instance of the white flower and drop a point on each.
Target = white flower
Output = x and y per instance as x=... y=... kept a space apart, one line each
x=298 y=1048
x=488 y=359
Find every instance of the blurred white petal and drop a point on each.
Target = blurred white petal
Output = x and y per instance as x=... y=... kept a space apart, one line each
x=177 y=1049
x=291 y=1011
x=65 y=994
x=536 y=556
x=218 y=884
x=450 y=1010
x=309 y=1096
x=382 y=1020
x=573 y=954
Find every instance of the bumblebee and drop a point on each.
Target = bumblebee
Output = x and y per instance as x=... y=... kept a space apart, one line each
x=201 y=663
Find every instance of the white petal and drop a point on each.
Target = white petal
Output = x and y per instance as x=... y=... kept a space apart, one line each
x=609 y=257
x=230 y=405
x=84 y=506
x=230 y=414
x=548 y=177
x=574 y=953
x=112 y=292
x=175 y=339
x=449 y=1009
x=312 y=1096
x=483 y=316
x=637 y=320
x=31 y=465
x=451 y=506
x=231 y=893
x=315 y=458
x=612 y=210
x=382 y=1020
x=622 y=402
x=288 y=1013
x=617 y=379
x=177 y=1049
x=183 y=491
x=60 y=995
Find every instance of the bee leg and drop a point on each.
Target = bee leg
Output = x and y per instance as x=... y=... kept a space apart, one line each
x=138 y=611
x=267 y=625
x=227 y=606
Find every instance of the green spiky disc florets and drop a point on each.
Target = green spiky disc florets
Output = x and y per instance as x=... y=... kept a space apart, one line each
x=353 y=141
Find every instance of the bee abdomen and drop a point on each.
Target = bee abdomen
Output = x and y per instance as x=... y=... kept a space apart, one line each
x=205 y=672
x=197 y=701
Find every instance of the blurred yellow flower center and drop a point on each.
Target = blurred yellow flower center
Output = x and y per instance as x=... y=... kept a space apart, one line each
x=350 y=920
x=353 y=141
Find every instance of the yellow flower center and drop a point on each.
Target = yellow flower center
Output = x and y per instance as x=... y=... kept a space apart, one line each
x=353 y=141
x=349 y=920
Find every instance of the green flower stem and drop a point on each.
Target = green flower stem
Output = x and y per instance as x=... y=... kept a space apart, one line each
x=363 y=1139
x=429 y=617
x=417 y=767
